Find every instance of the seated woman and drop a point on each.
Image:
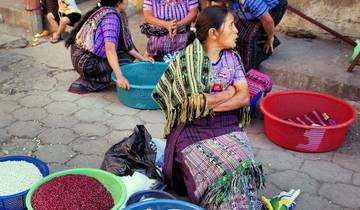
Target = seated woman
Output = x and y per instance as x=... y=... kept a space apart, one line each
x=204 y=96
x=256 y=22
x=167 y=25
x=67 y=14
x=95 y=54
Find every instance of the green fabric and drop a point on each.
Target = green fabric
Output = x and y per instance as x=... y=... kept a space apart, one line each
x=181 y=87
x=356 y=49
x=243 y=180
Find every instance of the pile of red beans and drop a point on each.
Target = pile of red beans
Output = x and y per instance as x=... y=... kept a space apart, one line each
x=75 y=192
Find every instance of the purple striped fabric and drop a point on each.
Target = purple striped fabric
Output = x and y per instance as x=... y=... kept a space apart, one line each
x=315 y=137
x=170 y=9
x=161 y=45
x=107 y=31
x=186 y=166
x=228 y=151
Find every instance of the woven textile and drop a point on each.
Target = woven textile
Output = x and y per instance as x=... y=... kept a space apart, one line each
x=85 y=37
x=251 y=33
x=95 y=72
x=201 y=154
x=170 y=9
x=181 y=87
x=159 y=46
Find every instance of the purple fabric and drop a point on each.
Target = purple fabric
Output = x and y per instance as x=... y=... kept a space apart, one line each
x=207 y=160
x=226 y=71
x=170 y=9
x=158 y=46
x=95 y=72
x=107 y=31
x=192 y=150
x=197 y=130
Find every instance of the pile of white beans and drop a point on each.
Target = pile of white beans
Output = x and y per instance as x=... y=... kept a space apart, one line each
x=17 y=176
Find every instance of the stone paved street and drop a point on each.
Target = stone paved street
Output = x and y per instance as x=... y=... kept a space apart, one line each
x=39 y=117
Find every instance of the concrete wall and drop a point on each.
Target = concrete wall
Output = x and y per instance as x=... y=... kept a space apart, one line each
x=342 y=16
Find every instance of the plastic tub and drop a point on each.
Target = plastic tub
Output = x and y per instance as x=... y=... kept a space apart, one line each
x=17 y=201
x=112 y=183
x=282 y=105
x=149 y=195
x=163 y=204
x=143 y=77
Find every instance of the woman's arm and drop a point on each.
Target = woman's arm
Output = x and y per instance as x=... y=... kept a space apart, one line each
x=214 y=100
x=268 y=23
x=150 y=19
x=140 y=57
x=240 y=99
x=113 y=60
x=189 y=18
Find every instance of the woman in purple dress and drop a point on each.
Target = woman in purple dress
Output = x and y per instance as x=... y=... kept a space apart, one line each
x=100 y=43
x=204 y=96
x=167 y=25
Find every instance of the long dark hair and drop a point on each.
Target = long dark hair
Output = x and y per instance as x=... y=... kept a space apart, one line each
x=210 y=17
x=76 y=29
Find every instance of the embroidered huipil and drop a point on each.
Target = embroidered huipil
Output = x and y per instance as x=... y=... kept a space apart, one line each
x=170 y=9
x=226 y=71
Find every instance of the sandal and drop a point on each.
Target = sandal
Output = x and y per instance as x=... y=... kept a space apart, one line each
x=54 y=41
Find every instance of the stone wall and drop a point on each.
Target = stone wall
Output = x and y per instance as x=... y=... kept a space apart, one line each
x=342 y=16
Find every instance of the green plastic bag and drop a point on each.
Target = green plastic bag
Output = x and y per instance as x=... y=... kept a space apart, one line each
x=356 y=49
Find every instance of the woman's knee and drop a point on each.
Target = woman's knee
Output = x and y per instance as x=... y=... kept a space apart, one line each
x=64 y=20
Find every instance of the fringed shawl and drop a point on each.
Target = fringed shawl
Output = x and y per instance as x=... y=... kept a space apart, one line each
x=86 y=35
x=247 y=177
x=181 y=87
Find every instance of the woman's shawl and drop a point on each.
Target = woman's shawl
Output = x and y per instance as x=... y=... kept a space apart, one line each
x=86 y=35
x=181 y=87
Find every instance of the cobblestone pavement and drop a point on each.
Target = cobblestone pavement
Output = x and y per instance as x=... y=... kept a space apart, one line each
x=40 y=118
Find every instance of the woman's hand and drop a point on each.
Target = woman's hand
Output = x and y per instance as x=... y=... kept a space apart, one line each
x=140 y=57
x=268 y=47
x=171 y=27
x=220 y=97
x=173 y=32
x=241 y=98
x=123 y=82
x=148 y=59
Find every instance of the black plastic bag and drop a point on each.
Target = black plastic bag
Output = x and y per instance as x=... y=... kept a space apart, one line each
x=134 y=153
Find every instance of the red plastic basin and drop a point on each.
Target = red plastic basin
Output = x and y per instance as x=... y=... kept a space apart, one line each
x=282 y=105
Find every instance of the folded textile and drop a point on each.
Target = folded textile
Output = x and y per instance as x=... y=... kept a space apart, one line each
x=314 y=118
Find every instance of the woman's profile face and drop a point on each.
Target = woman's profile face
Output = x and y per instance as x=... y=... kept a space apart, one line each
x=228 y=33
x=122 y=5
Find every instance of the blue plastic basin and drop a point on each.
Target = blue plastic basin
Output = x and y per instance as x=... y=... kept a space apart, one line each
x=17 y=201
x=163 y=204
x=143 y=77
x=145 y=195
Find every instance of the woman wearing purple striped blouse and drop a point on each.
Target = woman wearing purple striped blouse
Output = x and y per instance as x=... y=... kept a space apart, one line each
x=167 y=25
x=95 y=54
